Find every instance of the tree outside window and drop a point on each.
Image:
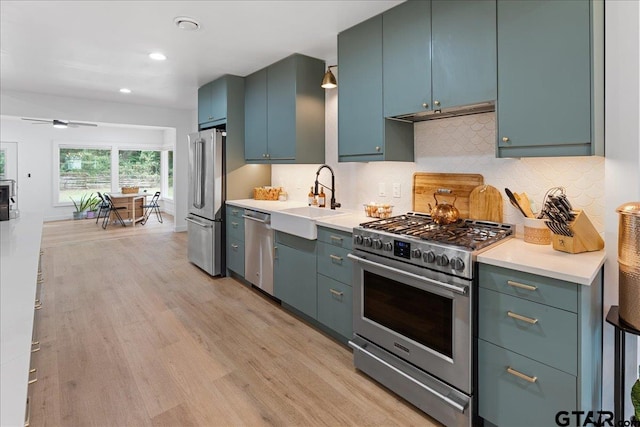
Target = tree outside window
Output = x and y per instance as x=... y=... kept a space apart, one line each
x=83 y=170
x=170 y=174
x=139 y=168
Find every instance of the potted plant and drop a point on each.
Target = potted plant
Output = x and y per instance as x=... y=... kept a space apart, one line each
x=92 y=205
x=82 y=205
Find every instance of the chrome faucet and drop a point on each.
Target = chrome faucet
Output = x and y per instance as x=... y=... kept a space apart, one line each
x=333 y=186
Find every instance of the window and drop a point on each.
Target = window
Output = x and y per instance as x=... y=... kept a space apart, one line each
x=82 y=171
x=170 y=174
x=139 y=168
x=2 y=163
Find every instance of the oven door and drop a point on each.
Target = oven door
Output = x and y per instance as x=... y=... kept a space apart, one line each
x=425 y=321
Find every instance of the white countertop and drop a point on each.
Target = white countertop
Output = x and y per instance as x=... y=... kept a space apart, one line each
x=545 y=261
x=344 y=222
x=19 y=254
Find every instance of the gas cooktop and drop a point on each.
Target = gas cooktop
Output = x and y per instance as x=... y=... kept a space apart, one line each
x=416 y=239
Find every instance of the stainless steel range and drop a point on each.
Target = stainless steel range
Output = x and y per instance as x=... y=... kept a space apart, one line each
x=413 y=301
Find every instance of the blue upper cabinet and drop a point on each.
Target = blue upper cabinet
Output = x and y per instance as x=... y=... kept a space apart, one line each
x=363 y=133
x=212 y=103
x=284 y=112
x=438 y=54
x=406 y=53
x=548 y=104
x=463 y=40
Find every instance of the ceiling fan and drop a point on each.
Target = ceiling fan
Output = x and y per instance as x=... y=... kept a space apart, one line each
x=61 y=124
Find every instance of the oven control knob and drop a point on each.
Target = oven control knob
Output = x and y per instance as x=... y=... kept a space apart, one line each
x=429 y=257
x=416 y=253
x=442 y=260
x=388 y=246
x=377 y=244
x=457 y=263
x=367 y=241
x=357 y=239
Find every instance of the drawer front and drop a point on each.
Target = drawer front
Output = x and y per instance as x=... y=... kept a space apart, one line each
x=505 y=399
x=509 y=322
x=235 y=222
x=335 y=237
x=545 y=290
x=335 y=305
x=333 y=262
x=235 y=255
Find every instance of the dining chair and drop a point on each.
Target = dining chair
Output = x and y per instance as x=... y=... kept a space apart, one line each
x=154 y=207
x=103 y=207
x=113 y=209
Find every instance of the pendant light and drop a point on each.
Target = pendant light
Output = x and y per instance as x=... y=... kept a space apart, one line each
x=329 y=80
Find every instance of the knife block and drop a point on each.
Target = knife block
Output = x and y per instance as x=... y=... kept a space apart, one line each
x=585 y=237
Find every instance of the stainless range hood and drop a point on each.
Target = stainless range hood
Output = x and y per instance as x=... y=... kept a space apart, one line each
x=461 y=110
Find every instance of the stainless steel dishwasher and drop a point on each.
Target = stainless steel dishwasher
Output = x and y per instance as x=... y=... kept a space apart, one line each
x=258 y=250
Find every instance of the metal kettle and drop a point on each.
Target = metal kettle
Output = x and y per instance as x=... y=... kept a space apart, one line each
x=444 y=213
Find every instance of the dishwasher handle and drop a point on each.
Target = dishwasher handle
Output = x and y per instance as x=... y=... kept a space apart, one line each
x=266 y=221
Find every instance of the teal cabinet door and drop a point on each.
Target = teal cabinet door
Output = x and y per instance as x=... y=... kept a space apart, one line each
x=335 y=305
x=294 y=273
x=212 y=103
x=281 y=109
x=363 y=133
x=544 y=78
x=464 y=52
x=406 y=53
x=255 y=113
x=235 y=255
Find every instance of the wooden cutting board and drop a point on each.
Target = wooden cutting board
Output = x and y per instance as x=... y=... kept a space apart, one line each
x=425 y=184
x=485 y=203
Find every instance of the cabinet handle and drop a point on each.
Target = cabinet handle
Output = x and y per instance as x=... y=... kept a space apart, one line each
x=234 y=212
x=523 y=318
x=234 y=224
x=335 y=257
x=33 y=371
x=521 y=375
x=425 y=105
x=38 y=306
x=235 y=247
x=34 y=350
x=436 y=103
x=505 y=139
x=275 y=252
x=268 y=156
x=336 y=293
x=521 y=285
x=210 y=118
x=336 y=238
x=377 y=148
x=264 y=156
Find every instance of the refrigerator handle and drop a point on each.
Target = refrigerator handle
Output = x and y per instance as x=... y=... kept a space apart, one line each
x=198 y=181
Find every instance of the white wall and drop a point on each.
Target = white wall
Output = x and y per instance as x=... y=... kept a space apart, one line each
x=24 y=104
x=622 y=165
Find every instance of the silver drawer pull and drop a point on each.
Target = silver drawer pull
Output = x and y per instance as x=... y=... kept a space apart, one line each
x=336 y=238
x=234 y=224
x=35 y=379
x=336 y=293
x=335 y=257
x=521 y=317
x=234 y=246
x=521 y=375
x=521 y=285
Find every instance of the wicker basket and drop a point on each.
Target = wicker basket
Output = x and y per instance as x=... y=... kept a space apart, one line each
x=629 y=263
x=266 y=193
x=130 y=190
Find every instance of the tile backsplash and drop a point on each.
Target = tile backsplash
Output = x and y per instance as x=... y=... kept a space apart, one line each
x=455 y=145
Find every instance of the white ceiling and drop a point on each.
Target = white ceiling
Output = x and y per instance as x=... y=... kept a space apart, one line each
x=91 y=49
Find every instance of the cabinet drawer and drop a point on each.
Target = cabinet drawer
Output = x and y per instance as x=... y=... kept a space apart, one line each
x=505 y=399
x=508 y=322
x=235 y=255
x=333 y=262
x=335 y=237
x=235 y=228
x=545 y=290
x=335 y=305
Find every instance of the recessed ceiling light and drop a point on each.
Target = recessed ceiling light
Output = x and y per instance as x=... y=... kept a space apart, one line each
x=157 y=56
x=186 y=23
x=125 y=90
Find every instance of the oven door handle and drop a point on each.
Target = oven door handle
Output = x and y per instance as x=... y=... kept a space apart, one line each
x=439 y=395
x=459 y=289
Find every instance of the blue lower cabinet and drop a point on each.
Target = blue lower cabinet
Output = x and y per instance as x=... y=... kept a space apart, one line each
x=335 y=305
x=514 y=390
x=235 y=256
x=294 y=272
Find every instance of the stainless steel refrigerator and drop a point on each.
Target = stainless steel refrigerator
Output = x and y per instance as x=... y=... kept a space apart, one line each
x=206 y=197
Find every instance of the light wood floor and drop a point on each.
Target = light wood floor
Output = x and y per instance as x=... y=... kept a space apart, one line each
x=132 y=334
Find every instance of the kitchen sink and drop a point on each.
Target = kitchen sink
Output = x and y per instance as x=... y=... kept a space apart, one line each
x=301 y=221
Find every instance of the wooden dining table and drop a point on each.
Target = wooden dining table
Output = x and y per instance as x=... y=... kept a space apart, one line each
x=134 y=203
